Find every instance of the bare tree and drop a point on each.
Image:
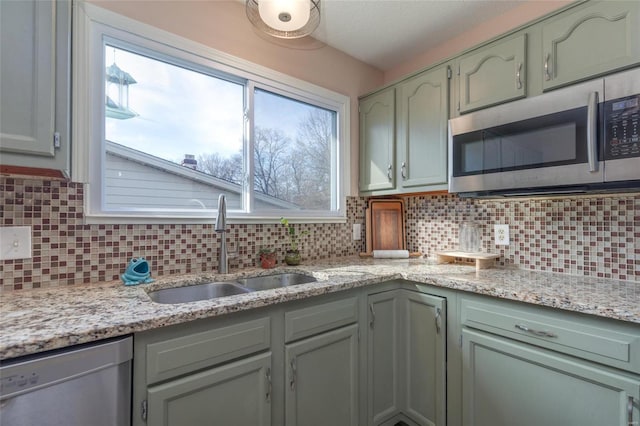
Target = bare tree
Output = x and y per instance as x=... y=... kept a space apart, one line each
x=227 y=168
x=314 y=142
x=271 y=162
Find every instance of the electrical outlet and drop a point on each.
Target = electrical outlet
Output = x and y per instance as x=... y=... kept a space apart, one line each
x=501 y=233
x=357 y=232
x=15 y=242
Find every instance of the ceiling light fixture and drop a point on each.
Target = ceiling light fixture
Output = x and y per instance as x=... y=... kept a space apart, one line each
x=284 y=18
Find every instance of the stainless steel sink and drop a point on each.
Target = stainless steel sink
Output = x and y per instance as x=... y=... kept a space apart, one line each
x=193 y=293
x=269 y=282
x=215 y=290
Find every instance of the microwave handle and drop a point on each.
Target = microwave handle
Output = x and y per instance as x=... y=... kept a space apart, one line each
x=592 y=131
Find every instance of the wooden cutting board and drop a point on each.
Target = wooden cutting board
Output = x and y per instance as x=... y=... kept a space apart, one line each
x=385 y=225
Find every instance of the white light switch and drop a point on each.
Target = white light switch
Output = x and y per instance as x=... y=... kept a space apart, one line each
x=15 y=242
x=357 y=231
x=501 y=233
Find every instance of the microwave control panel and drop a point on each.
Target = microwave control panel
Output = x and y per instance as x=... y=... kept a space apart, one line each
x=622 y=128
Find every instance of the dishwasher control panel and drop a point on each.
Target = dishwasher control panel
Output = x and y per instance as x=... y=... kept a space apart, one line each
x=18 y=382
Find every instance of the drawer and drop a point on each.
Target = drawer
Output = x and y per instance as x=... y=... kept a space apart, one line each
x=319 y=318
x=609 y=343
x=173 y=357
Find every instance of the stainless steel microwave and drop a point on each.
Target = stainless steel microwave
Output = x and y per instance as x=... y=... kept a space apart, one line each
x=581 y=138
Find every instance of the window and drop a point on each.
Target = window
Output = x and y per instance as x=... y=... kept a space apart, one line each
x=174 y=124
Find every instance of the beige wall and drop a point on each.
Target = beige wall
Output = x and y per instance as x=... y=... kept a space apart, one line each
x=527 y=12
x=223 y=25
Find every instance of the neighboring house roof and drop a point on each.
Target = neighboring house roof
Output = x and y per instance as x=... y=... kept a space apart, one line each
x=167 y=166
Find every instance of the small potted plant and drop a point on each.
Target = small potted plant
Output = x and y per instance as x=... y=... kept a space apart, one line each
x=267 y=258
x=292 y=256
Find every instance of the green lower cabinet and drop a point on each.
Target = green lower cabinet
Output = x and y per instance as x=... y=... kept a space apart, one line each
x=407 y=358
x=321 y=386
x=423 y=365
x=383 y=345
x=508 y=383
x=235 y=394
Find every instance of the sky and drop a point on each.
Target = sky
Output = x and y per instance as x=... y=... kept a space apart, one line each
x=185 y=112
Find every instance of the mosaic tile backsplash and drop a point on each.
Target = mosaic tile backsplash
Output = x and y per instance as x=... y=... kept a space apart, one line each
x=580 y=236
x=596 y=236
x=67 y=251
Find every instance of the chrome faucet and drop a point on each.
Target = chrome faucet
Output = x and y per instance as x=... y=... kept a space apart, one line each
x=221 y=225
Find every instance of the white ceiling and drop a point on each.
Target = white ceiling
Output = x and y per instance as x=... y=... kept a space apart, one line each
x=385 y=33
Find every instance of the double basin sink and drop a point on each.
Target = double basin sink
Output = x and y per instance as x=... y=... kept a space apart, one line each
x=215 y=290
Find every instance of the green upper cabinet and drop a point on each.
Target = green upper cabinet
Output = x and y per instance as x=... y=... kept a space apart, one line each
x=590 y=41
x=377 y=141
x=34 y=82
x=493 y=74
x=403 y=136
x=423 y=111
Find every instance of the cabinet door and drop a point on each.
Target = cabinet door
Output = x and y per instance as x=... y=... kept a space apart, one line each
x=423 y=107
x=424 y=361
x=234 y=394
x=322 y=379
x=507 y=383
x=590 y=41
x=377 y=141
x=383 y=345
x=493 y=74
x=34 y=82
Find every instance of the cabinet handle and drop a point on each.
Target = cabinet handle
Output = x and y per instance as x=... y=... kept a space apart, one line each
x=541 y=333
x=630 y=411
x=547 y=74
x=518 y=79
x=438 y=320
x=389 y=169
x=292 y=382
x=592 y=131
x=268 y=376
x=403 y=170
x=373 y=316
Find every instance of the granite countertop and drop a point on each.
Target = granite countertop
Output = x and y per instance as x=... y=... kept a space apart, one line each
x=37 y=320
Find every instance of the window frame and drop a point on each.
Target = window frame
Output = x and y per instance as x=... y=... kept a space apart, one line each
x=95 y=27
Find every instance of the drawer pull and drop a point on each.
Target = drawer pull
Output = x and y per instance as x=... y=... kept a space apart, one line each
x=541 y=333
x=518 y=78
x=630 y=410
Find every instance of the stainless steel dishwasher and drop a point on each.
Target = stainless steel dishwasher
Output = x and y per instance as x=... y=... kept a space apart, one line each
x=86 y=385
